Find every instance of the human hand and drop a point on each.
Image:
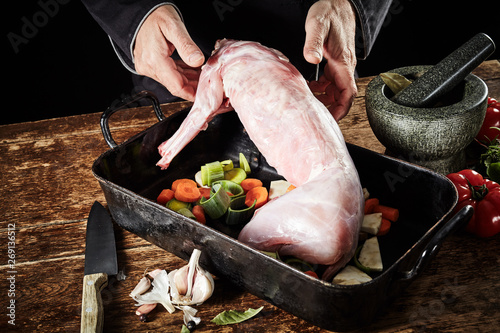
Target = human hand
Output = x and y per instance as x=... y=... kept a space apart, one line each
x=160 y=35
x=330 y=32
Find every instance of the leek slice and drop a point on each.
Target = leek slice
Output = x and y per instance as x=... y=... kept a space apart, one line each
x=231 y=187
x=217 y=204
x=176 y=205
x=204 y=175
x=214 y=172
x=299 y=264
x=236 y=175
x=238 y=212
x=244 y=163
x=186 y=212
x=227 y=165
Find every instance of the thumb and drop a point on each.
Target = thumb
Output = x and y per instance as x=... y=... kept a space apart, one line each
x=316 y=33
x=187 y=49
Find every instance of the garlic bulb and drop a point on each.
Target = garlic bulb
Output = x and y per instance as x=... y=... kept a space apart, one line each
x=189 y=285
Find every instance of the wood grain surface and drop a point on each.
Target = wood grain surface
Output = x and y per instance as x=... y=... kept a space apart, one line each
x=47 y=190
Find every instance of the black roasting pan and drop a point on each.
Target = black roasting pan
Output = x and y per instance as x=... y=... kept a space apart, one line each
x=131 y=182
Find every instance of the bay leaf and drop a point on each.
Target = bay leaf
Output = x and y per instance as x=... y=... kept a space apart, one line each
x=395 y=82
x=234 y=317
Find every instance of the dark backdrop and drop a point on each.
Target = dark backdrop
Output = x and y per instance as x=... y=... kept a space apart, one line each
x=59 y=62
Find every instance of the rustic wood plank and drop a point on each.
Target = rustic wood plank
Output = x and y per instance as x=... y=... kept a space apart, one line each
x=47 y=190
x=428 y=304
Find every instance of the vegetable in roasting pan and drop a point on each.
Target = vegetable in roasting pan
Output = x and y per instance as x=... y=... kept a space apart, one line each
x=236 y=197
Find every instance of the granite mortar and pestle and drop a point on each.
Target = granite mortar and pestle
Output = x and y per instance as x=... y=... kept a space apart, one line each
x=433 y=119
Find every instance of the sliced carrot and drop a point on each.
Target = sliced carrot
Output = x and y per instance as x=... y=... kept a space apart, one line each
x=183 y=181
x=392 y=214
x=204 y=192
x=257 y=193
x=249 y=183
x=370 y=205
x=165 y=196
x=199 y=213
x=186 y=192
x=384 y=227
x=312 y=273
x=291 y=187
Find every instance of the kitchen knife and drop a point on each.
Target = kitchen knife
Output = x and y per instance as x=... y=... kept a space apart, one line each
x=100 y=261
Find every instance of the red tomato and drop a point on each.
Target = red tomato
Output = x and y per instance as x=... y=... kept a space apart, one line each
x=484 y=196
x=492 y=119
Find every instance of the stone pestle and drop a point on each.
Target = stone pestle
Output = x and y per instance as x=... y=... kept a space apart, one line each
x=426 y=90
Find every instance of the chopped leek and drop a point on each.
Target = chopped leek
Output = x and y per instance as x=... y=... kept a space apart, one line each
x=204 y=175
x=176 y=205
x=238 y=212
x=227 y=165
x=244 y=163
x=214 y=172
x=231 y=187
x=236 y=175
x=218 y=203
x=186 y=212
x=299 y=264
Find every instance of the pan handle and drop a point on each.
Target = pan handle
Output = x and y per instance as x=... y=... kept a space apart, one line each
x=124 y=104
x=455 y=223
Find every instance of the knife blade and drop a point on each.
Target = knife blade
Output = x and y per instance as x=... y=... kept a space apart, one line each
x=100 y=262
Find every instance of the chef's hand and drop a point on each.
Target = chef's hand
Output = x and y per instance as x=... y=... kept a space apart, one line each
x=330 y=32
x=161 y=33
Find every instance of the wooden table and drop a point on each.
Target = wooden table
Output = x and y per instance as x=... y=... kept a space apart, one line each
x=48 y=189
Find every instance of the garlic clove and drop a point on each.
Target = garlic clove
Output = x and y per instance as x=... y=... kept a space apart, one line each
x=145 y=309
x=181 y=281
x=203 y=288
x=154 y=273
x=141 y=287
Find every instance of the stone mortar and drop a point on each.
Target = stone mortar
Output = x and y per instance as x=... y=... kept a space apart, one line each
x=435 y=137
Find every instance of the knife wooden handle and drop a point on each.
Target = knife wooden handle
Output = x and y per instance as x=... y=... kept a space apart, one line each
x=92 y=310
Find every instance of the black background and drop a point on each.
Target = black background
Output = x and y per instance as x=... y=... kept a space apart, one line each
x=67 y=65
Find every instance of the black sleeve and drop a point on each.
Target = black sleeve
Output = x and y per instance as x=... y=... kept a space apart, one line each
x=121 y=19
x=370 y=17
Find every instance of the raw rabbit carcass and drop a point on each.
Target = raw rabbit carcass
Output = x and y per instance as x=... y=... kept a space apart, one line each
x=319 y=221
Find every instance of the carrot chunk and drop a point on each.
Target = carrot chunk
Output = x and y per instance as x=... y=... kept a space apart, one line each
x=392 y=214
x=199 y=213
x=257 y=193
x=204 y=192
x=176 y=183
x=384 y=227
x=370 y=205
x=186 y=192
x=165 y=196
x=249 y=183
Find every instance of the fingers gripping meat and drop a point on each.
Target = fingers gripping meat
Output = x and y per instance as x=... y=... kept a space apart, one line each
x=319 y=221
